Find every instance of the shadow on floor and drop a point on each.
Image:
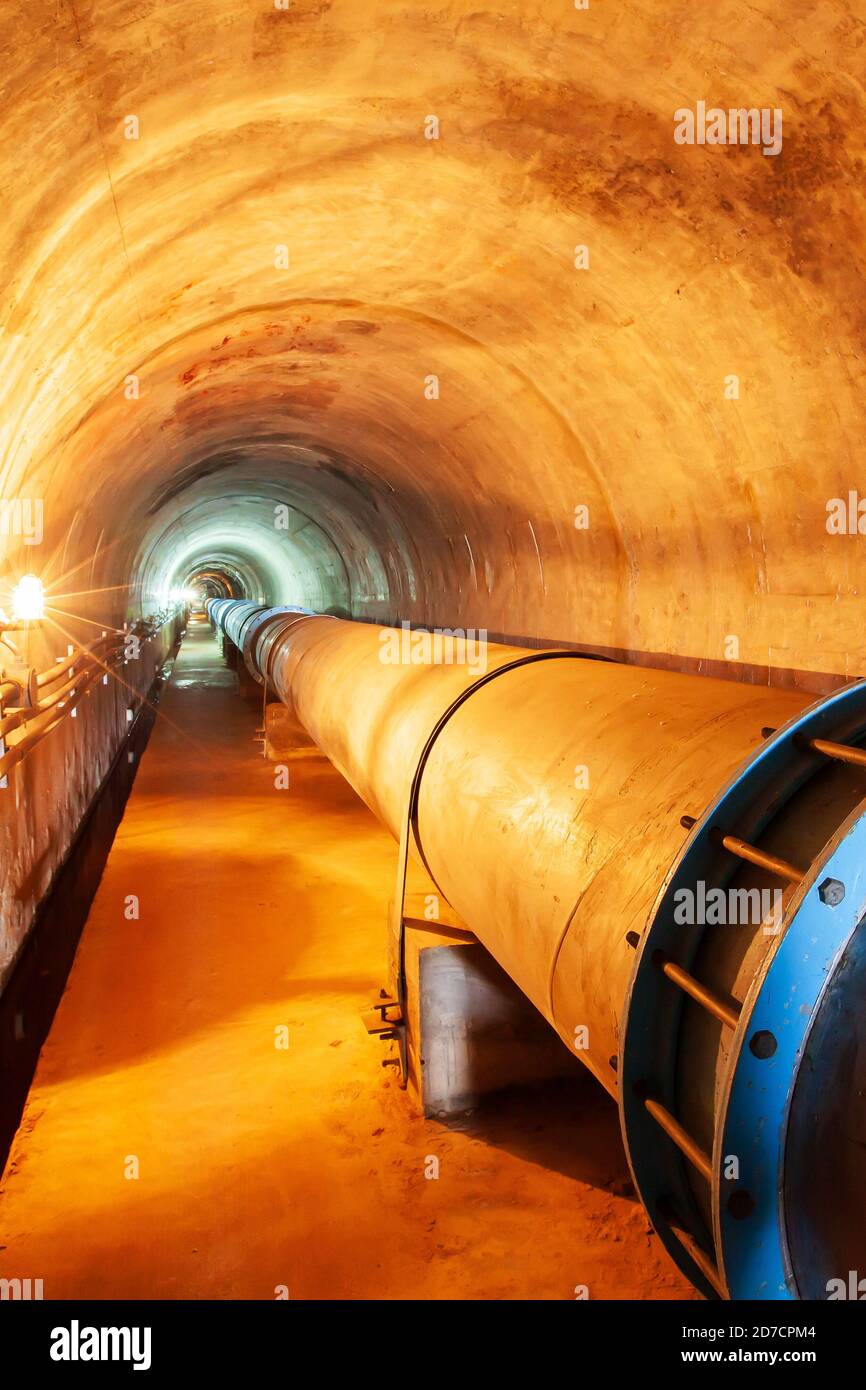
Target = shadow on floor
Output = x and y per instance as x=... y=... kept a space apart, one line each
x=568 y=1125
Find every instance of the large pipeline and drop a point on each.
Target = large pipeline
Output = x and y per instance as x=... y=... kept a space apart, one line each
x=671 y=868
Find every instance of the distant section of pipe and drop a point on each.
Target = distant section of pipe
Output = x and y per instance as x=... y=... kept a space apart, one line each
x=679 y=964
x=252 y=628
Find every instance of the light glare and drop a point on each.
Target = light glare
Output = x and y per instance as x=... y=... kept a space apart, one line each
x=28 y=600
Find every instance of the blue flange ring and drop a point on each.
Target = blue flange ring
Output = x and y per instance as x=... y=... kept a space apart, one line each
x=776 y=1231
x=755 y=1214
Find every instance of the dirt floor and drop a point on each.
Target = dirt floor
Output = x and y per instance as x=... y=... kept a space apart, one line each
x=169 y=1147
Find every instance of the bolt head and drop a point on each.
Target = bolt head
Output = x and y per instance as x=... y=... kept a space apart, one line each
x=831 y=892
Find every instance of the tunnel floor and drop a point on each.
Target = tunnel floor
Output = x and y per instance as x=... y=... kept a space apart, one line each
x=261 y=1168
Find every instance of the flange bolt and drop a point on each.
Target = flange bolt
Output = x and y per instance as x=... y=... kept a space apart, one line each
x=831 y=892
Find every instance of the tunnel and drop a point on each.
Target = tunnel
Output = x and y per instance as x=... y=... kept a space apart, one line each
x=430 y=551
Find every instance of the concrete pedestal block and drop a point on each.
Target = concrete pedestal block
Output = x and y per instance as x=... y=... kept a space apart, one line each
x=284 y=736
x=248 y=689
x=470 y=1030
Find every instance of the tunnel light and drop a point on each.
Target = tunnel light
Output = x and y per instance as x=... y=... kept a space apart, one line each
x=28 y=600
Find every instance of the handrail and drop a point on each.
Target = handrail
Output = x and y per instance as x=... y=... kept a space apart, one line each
x=74 y=658
x=87 y=665
x=80 y=665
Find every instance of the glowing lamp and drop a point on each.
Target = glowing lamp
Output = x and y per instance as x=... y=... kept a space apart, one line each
x=28 y=600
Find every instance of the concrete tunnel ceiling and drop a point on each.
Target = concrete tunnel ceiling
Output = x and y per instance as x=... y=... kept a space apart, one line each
x=243 y=308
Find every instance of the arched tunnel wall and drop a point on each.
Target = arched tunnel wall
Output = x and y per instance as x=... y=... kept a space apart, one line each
x=549 y=373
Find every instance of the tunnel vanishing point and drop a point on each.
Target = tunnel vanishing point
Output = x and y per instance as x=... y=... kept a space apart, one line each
x=506 y=425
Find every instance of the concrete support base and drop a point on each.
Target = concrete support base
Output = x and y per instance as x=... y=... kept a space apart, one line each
x=248 y=689
x=284 y=736
x=470 y=1030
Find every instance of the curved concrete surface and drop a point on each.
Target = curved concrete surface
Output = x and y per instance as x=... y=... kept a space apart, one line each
x=300 y=373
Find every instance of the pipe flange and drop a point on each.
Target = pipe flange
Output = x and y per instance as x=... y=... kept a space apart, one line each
x=770 y=1045
x=735 y=1255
